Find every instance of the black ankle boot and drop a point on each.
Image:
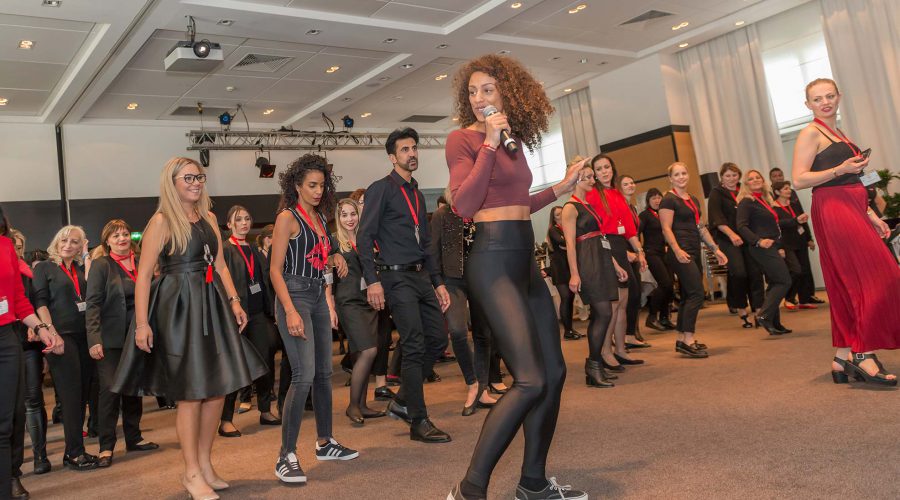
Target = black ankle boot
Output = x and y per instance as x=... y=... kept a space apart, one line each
x=36 y=423
x=593 y=372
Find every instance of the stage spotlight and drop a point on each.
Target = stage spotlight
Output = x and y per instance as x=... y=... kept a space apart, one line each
x=348 y=122
x=204 y=157
x=266 y=169
x=225 y=119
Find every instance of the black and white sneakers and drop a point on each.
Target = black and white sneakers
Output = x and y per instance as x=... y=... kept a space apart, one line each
x=288 y=469
x=553 y=491
x=334 y=451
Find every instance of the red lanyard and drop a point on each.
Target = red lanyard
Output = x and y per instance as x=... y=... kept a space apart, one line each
x=250 y=262
x=840 y=135
x=763 y=203
x=689 y=202
x=326 y=245
x=733 y=196
x=414 y=213
x=590 y=210
x=73 y=275
x=354 y=246
x=788 y=208
x=654 y=212
x=131 y=274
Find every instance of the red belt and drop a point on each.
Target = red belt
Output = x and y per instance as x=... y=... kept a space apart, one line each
x=587 y=236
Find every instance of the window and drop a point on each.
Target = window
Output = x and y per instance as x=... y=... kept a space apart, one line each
x=548 y=162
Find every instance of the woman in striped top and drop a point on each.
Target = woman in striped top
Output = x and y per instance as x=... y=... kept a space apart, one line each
x=301 y=277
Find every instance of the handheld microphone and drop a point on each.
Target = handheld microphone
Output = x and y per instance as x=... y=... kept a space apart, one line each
x=508 y=142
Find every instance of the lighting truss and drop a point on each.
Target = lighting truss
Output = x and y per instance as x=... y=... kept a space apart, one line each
x=221 y=140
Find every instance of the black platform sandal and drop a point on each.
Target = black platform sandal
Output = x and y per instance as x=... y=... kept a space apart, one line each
x=879 y=379
x=747 y=323
x=840 y=377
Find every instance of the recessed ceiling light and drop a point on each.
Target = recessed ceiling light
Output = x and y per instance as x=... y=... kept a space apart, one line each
x=578 y=9
x=365 y=115
x=679 y=26
x=384 y=78
x=313 y=32
x=26 y=44
x=398 y=97
x=683 y=45
x=456 y=118
x=347 y=99
x=582 y=61
x=132 y=106
x=440 y=77
x=739 y=23
x=3 y=101
x=332 y=69
x=229 y=88
x=389 y=40
x=556 y=58
x=567 y=90
x=442 y=46
x=516 y=5
x=268 y=111
x=603 y=63
x=225 y=22
x=503 y=52
x=51 y=3
x=406 y=66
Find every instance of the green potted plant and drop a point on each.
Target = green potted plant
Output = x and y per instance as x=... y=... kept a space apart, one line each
x=892 y=208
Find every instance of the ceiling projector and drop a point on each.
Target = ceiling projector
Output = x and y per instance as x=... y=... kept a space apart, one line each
x=200 y=56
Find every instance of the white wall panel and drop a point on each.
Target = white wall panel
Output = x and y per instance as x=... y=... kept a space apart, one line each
x=28 y=166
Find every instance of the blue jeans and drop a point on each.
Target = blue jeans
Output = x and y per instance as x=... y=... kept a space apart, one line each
x=310 y=359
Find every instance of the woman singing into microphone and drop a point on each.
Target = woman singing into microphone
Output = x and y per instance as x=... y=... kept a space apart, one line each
x=490 y=184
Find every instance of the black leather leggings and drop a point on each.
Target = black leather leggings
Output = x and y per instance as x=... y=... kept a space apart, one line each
x=566 y=306
x=503 y=279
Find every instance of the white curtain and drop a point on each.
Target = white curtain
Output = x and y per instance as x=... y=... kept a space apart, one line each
x=733 y=115
x=863 y=38
x=577 y=124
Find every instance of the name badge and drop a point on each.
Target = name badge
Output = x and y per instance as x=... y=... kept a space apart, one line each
x=329 y=278
x=4 y=306
x=800 y=230
x=82 y=306
x=620 y=229
x=869 y=178
x=362 y=284
x=605 y=244
x=255 y=288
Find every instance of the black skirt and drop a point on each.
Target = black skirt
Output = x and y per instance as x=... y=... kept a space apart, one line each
x=598 y=275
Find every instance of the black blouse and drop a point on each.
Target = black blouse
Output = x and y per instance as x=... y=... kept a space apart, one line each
x=684 y=224
x=756 y=222
x=722 y=208
x=651 y=229
x=54 y=290
x=559 y=262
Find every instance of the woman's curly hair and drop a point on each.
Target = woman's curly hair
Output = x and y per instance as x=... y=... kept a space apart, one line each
x=526 y=105
x=296 y=173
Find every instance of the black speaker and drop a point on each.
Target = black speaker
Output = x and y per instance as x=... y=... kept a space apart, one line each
x=709 y=181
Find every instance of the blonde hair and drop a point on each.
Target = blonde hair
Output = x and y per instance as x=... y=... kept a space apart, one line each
x=817 y=81
x=15 y=234
x=53 y=249
x=343 y=236
x=671 y=167
x=574 y=160
x=177 y=223
x=745 y=191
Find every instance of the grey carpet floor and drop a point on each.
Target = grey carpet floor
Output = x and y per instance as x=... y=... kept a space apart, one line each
x=760 y=418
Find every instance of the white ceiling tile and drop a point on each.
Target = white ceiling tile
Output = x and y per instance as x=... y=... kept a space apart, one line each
x=314 y=69
x=351 y=7
x=455 y=5
x=50 y=45
x=411 y=14
x=30 y=75
x=371 y=54
x=23 y=102
x=297 y=58
x=44 y=22
x=115 y=106
x=159 y=83
x=245 y=87
x=296 y=91
x=182 y=35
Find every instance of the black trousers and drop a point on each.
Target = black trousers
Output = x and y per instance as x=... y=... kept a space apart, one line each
x=131 y=406
x=12 y=408
x=566 y=306
x=504 y=281
x=385 y=329
x=633 y=308
x=473 y=363
x=744 y=277
x=423 y=333
x=690 y=283
x=71 y=372
x=261 y=332
x=803 y=287
x=777 y=276
x=661 y=296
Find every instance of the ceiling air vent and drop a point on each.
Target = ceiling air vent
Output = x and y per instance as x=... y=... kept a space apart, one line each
x=650 y=15
x=262 y=63
x=423 y=118
x=211 y=112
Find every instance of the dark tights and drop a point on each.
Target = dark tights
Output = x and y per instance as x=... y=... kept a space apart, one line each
x=359 y=379
x=566 y=305
x=601 y=315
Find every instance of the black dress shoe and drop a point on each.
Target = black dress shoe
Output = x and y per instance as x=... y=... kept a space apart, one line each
x=370 y=413
x=690 y=350
x=572 y=335
x=434 y=377
x=355 y=416
x=425 y=431
x=494 y=390
x=768 y=325
x=468 y=411
x=667 y=323
x=104 y=461
x=18 y=491
x=230 y=434
x=654 y=324
x=398 y=411
x=42 y=465
x=383 y=393
x=626 y=361
x=642 y=345
x=781 y=328
x=264 y=421
x=80 y=463
x=145 y=446
x=613 y=368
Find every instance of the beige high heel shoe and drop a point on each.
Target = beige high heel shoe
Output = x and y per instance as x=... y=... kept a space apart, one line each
x=204 y=496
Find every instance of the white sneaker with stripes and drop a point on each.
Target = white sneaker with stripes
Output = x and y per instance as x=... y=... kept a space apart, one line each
x=334 y=451
x=288 y=469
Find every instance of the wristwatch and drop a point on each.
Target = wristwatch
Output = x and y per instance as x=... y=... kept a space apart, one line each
x=39 y=326
x=234 y=299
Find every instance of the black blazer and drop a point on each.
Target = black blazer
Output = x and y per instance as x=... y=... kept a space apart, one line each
x=236 y=266
x=446 y=246
x=754 y=223
x=52 y=288
x=722 y=210
x=106 y=312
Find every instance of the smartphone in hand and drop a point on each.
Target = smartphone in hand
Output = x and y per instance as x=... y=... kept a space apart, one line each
x=866 y=153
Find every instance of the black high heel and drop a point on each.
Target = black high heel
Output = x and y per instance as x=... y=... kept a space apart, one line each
x=625 y=361
x=747 y=323
x=841 y=377
x=612 y=368
x=494 y=390
x=771 y=328
x=879 y=378
x=593 y=374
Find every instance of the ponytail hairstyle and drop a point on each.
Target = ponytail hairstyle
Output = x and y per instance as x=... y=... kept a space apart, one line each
x=612 y=181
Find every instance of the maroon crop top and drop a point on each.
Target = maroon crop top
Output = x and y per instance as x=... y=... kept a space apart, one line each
x=481 y=178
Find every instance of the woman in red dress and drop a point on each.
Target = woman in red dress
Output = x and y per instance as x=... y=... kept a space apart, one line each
x=862 y=279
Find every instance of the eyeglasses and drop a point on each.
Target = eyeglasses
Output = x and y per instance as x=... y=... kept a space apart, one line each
x=190 y=178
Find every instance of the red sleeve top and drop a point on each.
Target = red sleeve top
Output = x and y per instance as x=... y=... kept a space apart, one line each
x=618 y=214
x=483 y=178
x=11 y=288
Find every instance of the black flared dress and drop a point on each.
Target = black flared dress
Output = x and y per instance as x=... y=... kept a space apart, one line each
x=197 y=350
x=598 y=275
x=359 y=320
